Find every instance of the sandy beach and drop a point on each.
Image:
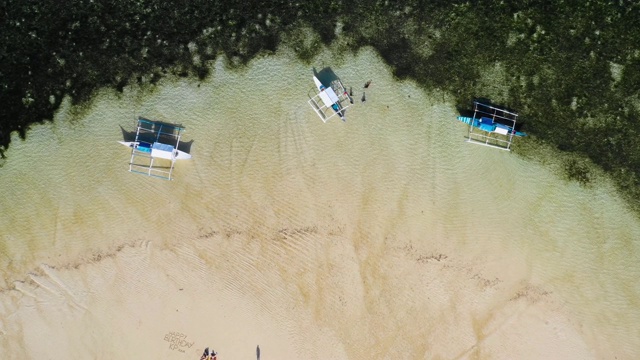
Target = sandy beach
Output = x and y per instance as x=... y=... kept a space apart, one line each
x=385 y=236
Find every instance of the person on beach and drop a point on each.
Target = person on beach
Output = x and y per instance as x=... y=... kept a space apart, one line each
x=205 y=354
x=348 y=97
x=213 y=355
x=366 y=85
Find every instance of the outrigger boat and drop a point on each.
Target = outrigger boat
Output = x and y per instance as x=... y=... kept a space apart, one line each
x=333 y=97
x=155 y=148
x=491 y=126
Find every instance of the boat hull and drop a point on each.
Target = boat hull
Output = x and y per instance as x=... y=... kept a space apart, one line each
x=491 y=128
x=178 y=154
x=318 y=83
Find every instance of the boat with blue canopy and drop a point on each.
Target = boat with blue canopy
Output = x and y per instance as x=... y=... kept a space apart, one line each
x=491 y=126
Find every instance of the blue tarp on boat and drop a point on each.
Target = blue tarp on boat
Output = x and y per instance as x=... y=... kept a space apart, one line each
x=487 y=127
x=486 y=120
x=144 y=147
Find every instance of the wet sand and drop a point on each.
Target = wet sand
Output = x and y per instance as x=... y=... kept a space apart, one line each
x=386 y=236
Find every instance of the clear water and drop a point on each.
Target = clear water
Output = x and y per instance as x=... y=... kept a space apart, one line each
x=364 y=222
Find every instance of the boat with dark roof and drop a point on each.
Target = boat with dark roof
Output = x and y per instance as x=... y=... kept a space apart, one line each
x=155 y=148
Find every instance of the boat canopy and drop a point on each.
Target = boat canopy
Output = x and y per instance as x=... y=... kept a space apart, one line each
x=328 y=97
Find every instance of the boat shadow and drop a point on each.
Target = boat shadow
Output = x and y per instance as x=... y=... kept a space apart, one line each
x=464 y=112
x=325 y=75
x=468 y=111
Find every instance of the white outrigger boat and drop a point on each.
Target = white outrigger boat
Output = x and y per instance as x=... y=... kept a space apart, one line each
x=155 y=149
x=329 y=101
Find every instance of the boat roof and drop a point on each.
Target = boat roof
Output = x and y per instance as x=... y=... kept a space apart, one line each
x=328 y=96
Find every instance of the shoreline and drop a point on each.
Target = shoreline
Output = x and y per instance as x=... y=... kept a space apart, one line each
x=365 y=238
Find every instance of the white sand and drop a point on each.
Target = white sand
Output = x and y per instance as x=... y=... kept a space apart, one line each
x=383 y=237
x=138 y=302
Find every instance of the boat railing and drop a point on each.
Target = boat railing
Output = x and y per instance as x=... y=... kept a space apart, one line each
x=155 y=137
x=490 y=139
x=491 y=126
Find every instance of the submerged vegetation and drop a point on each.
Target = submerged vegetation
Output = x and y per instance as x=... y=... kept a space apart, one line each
x=571 y=68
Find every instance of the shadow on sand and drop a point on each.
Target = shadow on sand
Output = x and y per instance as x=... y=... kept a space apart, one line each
x=326 y=75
